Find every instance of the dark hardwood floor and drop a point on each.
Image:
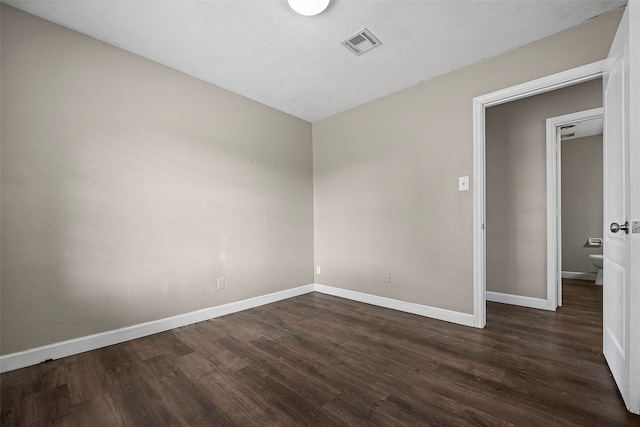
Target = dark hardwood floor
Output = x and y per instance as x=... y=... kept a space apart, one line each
x=322 y=360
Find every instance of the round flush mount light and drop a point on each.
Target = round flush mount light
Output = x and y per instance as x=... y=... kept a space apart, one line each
x=309 y=7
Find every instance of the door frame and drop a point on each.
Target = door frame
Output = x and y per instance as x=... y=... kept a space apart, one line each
x=480 y=104
x=554 y=199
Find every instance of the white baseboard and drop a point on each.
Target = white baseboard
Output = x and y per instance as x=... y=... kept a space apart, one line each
x=523 y=301
x=409 y=307
x=54 y=351
x=578 y=275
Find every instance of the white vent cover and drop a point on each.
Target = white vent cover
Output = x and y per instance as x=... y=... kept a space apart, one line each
x=361 y=42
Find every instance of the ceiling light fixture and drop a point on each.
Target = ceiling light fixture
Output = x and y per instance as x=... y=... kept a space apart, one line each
x=309 y=7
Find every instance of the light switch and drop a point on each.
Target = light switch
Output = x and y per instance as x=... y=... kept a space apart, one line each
x=463 y=183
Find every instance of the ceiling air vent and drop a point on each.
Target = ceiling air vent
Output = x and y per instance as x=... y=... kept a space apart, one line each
x=361 y=42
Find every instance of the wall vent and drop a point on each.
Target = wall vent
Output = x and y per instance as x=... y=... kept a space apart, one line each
x=361 y=42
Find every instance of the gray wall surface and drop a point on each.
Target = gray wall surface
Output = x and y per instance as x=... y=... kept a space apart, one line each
x=386 y=174
x=128 y=188
x=581 y=201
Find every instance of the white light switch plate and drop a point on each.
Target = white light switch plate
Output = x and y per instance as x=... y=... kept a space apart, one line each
x=463 y=183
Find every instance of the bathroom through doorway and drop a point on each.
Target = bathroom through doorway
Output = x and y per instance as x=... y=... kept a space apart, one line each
x=574 y=152
x=517 y=267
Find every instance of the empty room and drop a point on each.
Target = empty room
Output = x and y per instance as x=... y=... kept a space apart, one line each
x=317 y=212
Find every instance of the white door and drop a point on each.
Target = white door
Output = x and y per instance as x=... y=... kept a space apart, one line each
x=620 y=271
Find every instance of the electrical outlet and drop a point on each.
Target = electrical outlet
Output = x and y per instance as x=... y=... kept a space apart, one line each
x=387 y=277
x=318 y=269
x=221 y=283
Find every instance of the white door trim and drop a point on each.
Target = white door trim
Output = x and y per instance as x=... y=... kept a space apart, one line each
x=480 y=103
x=554 y=194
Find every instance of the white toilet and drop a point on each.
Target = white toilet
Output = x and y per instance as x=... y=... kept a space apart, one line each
x=596 y=260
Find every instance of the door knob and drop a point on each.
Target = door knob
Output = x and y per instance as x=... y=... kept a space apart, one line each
x=615 y=227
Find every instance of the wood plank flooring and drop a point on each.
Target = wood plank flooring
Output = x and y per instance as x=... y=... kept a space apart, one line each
x=322 y=360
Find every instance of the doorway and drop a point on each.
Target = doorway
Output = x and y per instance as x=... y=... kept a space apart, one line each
x=570 y=260
x=516 y=193
x=534 y=87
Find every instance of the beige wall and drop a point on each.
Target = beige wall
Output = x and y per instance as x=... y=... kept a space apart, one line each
x=581 y=201
x=386 y=174
x=516 y=186
x=128 y=188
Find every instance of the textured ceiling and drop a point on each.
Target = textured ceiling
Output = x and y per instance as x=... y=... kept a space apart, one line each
x=263 y=50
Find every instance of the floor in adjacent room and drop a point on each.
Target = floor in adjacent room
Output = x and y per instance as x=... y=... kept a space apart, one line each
x=321 y=360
